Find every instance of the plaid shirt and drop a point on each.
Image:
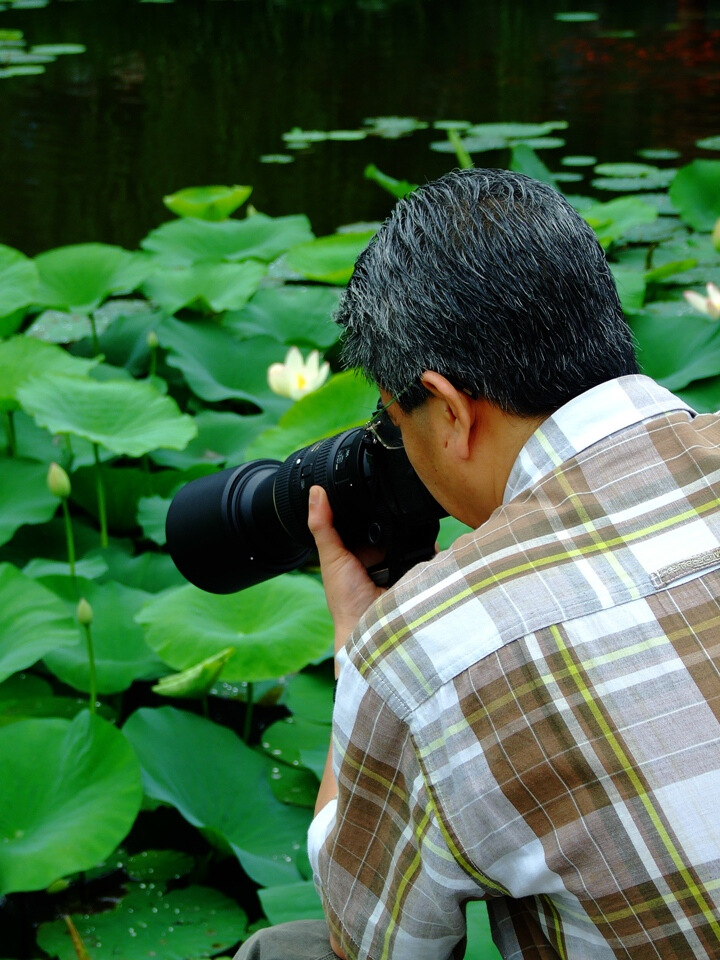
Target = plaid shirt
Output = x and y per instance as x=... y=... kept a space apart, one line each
x=533 y=717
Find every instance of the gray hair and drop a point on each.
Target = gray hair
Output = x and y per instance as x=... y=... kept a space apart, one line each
x=493 y=280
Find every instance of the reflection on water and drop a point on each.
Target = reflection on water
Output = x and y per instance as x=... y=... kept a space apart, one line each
x=175 y=94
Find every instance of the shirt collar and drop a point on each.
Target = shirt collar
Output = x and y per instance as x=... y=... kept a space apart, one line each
x=585 y=420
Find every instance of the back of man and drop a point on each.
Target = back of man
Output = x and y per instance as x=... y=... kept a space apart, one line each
x=533 y=716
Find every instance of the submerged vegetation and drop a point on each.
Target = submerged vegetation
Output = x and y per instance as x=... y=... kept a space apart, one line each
x=161 y=747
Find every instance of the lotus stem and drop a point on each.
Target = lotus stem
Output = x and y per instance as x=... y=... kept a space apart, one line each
x=84 y=616
x=247 y=726
x=77 y=940
x=102 y=509
x=93 y=327
x=9 y=424
x=69 y=539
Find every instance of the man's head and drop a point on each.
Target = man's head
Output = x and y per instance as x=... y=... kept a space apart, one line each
x=494 y=281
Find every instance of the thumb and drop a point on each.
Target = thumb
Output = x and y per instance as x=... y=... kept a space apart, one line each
x=320 y=524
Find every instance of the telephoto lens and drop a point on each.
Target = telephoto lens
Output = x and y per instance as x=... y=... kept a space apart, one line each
x=246 y=524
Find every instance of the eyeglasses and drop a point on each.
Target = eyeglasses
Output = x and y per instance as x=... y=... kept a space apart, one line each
x=383 y=429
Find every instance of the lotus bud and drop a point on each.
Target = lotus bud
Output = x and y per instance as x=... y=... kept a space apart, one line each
x=58 y=482
x=84 y=613
x=152 y=340
x=716 y=235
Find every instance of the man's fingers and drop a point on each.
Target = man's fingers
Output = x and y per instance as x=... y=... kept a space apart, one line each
x=320 y=522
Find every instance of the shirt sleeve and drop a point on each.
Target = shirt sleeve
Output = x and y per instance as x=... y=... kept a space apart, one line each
x=390 y=886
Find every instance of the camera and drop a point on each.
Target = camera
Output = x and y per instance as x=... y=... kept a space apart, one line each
x=243 y=525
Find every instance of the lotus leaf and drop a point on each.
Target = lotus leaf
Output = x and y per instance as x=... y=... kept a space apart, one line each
x=296 y=901
x=708 y=143
x=297 y=786
x=219 y=366
x=480 y=944
x=477 y=143
x=152 y=512
x=578 y=16
x=392 y=128
x=516 y=131
x=677 y=349
x=24 y=495
x=18 y=281
x=221 y=786
x=121 y=654
x=22 y=358
x=295 y=314
x=204 y=286
x=524 y=160
x=578 y=161
x=57 y=777
x=329 y=259
x=33 y=621
x=345 y=401
x=57 y=49
x=159 y=866
x=703 y=395
x=129 y=417
x=276 y=627
x=207 y=203
x=611 y=220
x=221 y=438
x=625 y=170
x=195 y=922
x=285 y=740
x=310 y=696
x=630 y=286
x=695 y=193
x=79 y=277
x=187 y=241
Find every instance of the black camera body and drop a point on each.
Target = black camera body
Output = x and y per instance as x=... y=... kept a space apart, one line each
x=241 y=526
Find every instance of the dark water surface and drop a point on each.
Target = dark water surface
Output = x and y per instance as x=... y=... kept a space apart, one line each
x=177 y=94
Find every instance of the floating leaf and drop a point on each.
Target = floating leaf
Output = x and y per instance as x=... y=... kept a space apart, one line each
x=57 y=49
x=539 y=143
x=33 y=621
x=695 y=193
x=286 y=739
x=181 y=754
x=204 y=286
x=128 y=417
x=21 y=71
x=578 y=161
x=305 y=136
x=207 y=203
x=276 y=158
x=22 y=358
x=219 y=366
x=347 y=135
x=297 y=901
x=294 y=314
x=515 y=131
x=194 y=922
x=79 y=277
x=708 y=143
x=392 y=128
x=24 y=495
x=159 y=866
x=472 y=144
x=659 y=153
x=625 y=169
x=58 y=777
x=187 y=241
x=329 y=259
x=578 y=16
x=345 y=401
x=121 y=654
x=613 y=219
x=276 y=627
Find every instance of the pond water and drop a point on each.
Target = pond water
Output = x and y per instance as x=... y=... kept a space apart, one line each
x=169 y=95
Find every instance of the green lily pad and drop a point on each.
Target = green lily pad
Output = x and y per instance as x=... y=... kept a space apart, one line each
x=630 y=286
x=221 y=439
x=207 y=203
x=659 y=153
x=121 y=654
x=181 y=754
x=58 y=49
x=611 y=220
x=285 y=740
x=578 y=16
x=676 y=349
x=708 y=143
x=702 y=395
x=219 y=366
x=295 y=314
x=259 y=237
x=345 y=401
x=152 y=512
x=695 y=193
x=69 y=794
x=276 y=158
x=329 y=259
x=392 y=128
x=297 y=901
x=276 y=627
x=195 y=922
x=478 y=143
x=310 y=697
x=579 y=161
x=23 y=70
x=625 y=169
x=538 y=143
x=128 y=417
x=18 y=281
x=296 y=786
x=33 y=621
x=24 y=495
x=204 y=286
x=22 y=358
x=159 y=866
x=78 y=278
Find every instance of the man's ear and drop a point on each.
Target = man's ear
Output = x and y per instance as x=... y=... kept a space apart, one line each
x=458 y=412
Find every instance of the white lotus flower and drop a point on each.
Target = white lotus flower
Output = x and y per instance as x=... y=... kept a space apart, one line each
x=709 y=305
x=297 y=377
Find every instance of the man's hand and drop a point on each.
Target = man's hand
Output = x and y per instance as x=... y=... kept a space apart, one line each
x=348 y=588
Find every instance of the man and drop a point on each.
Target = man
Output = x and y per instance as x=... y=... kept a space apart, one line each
x=533 y=716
